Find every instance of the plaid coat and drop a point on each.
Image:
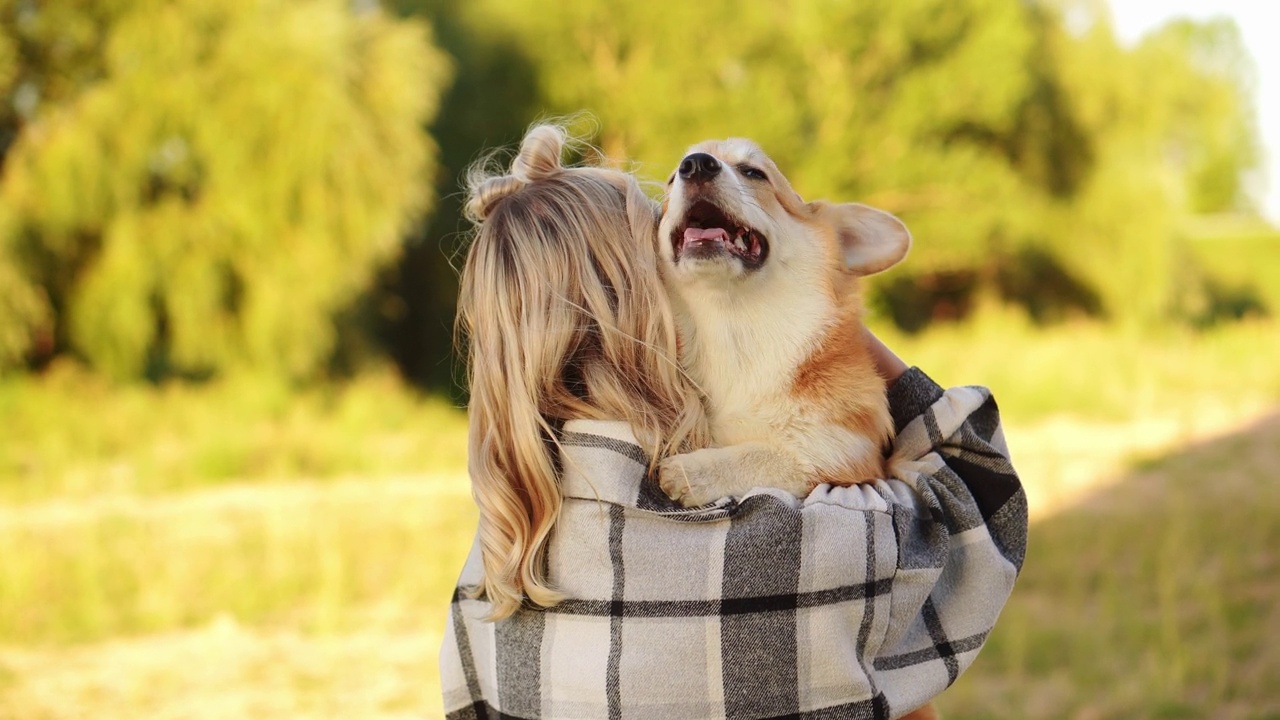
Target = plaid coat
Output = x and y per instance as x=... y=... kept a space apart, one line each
x=856 y=602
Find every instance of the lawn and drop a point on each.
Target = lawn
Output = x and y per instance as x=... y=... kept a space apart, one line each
x=72 y=435
x=1154 y=597
x=245 y=550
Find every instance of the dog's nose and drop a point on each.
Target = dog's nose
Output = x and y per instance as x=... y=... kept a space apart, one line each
x=699 y=167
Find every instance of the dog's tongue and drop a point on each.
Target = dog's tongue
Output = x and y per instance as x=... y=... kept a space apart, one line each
x=695 y=234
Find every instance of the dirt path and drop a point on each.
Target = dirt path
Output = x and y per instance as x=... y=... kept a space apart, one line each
x=285 y=495
x=1063 y=460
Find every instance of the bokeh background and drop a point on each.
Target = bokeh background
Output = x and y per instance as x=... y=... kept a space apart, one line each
x=232 y=440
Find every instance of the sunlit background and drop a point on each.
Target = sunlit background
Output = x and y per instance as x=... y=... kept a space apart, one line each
x=232 y=449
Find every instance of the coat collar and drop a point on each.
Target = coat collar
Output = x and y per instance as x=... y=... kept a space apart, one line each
x=601 y=460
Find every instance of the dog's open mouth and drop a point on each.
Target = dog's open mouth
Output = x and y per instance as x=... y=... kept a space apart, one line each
x=708 y=231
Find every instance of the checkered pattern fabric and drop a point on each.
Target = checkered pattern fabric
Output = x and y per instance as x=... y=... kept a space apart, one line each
x=856 y=602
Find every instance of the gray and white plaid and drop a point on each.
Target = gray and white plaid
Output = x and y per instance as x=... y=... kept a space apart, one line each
x=856 y=602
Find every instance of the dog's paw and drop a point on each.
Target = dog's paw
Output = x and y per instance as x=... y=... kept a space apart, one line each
x=689 y=479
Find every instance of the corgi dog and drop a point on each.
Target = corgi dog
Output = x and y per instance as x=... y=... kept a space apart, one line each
x=766 y=292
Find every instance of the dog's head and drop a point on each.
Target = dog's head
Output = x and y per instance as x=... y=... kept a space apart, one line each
x=730 y=215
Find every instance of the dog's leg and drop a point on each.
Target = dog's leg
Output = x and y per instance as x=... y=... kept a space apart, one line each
x=702 y=476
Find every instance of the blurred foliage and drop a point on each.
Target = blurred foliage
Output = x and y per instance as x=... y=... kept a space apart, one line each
x=194 y=186
x=493 y=98
x=190 y=187
x=1035 y=158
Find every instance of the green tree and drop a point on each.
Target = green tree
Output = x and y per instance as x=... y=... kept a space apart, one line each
x=211 y=183
x=1032 y=154
x=896 y=104
x=492 y=100
x=995 y=128
x=1211 y=138
x=1171 y=124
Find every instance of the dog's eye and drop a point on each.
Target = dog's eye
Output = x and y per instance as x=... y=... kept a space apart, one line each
x=754 y=173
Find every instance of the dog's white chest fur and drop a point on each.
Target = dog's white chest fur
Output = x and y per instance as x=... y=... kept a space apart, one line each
x=743 y=349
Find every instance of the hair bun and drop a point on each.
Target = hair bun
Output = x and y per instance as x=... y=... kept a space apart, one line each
x=485 y=196
x=540 y=153
x=537 y=159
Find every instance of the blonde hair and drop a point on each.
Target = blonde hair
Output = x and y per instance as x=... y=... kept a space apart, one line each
x=563 y=309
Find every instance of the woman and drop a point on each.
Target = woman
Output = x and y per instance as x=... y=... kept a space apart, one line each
x=590 y=594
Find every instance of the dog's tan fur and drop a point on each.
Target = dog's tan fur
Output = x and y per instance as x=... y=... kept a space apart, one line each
x=777 y=346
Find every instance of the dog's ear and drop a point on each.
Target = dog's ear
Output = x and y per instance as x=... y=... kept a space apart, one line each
x=871 y=240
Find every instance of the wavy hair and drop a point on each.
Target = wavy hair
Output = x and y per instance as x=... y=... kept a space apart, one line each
x=564 y=316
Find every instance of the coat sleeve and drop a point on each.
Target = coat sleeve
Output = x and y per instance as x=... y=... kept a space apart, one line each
x=961 y=519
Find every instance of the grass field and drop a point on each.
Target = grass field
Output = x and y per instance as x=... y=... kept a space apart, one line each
x=239 y=550
x=1154 y=597
x=72 y=435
